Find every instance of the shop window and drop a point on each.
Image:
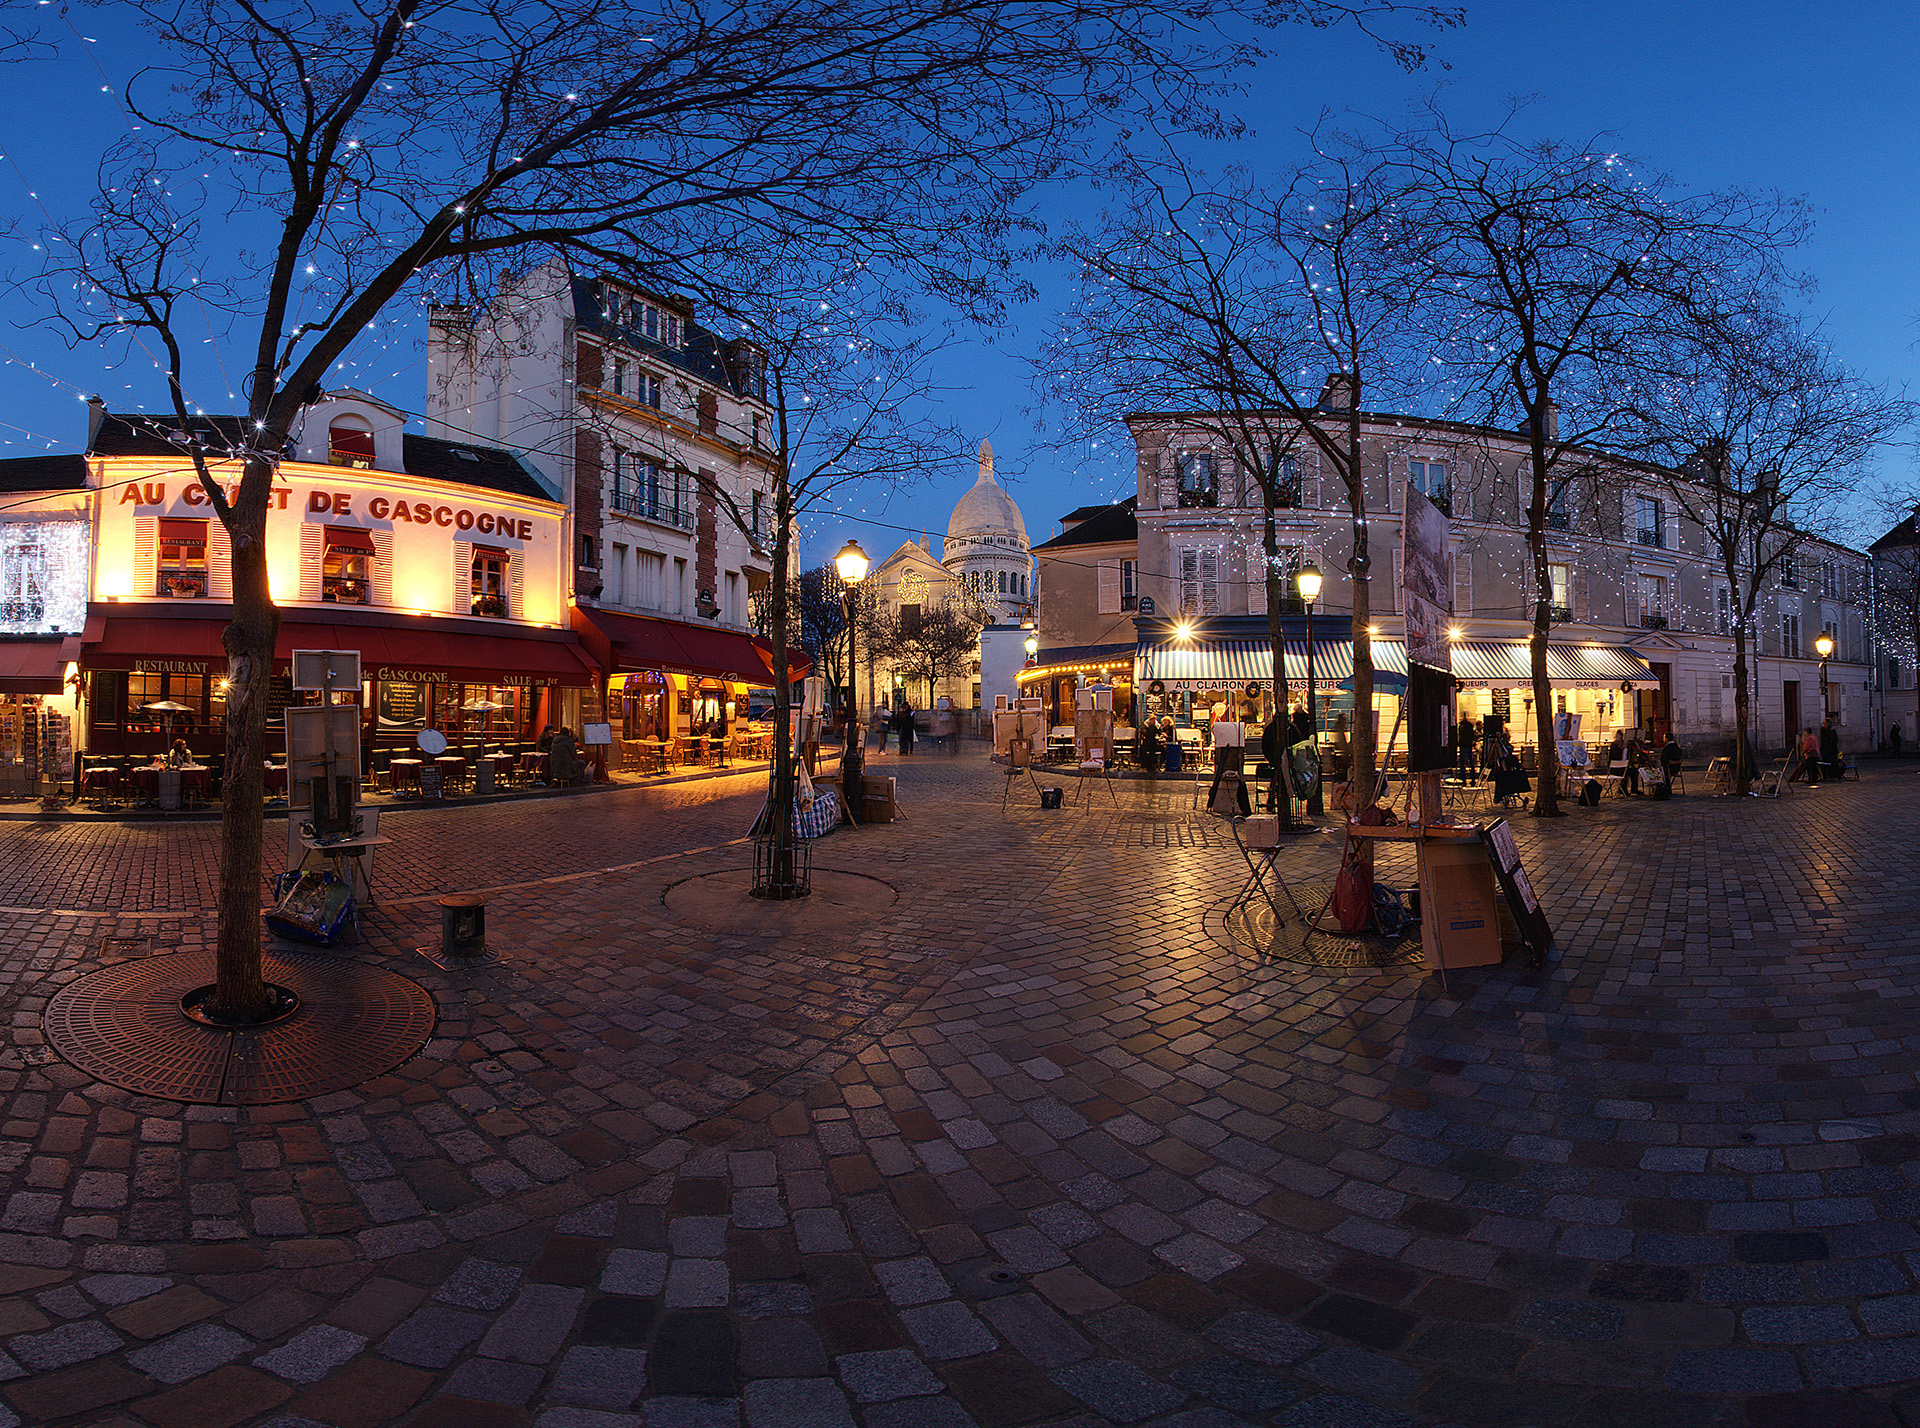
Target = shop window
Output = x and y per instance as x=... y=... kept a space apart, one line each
x=148 y=694
x=490 y=582
x=183 y=559
x=23 y=583
x=346 y=569
x=350 y=443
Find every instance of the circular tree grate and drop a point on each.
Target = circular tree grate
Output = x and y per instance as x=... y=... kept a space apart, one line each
x=123 y=1025
x=1253 y=927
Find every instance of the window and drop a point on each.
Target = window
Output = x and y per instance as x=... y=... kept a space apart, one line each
x=759 y=515
x=1199 y=581
x=1003 y=583
x=1790 y=636
x=646 y=390
x=346 y=566
x=586 y=552
x=1829 y=579
x=1560 y=591
x=1652 y=590
x=1650 y=527
x=1789 y=571
x=1429 y=478
x=622 y=376
x=1893 y=674
x=489 y=582
x=23 y=583
x=1723 y=613
x=183 y=559
x=617 y=589
x=1199 y=482
x=1129 y=582
x=350 y=443
x=759 y=432
x=1558 y=518
x=1283 y=474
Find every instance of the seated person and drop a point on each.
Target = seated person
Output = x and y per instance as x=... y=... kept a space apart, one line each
x=1670 y=757
x=179 y=757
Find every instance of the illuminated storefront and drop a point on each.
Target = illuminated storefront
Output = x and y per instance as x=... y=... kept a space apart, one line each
x=44 y=556
x=443 y=564
x=667 y=679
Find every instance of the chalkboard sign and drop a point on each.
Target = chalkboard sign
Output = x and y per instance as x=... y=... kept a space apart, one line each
x=1521 y=899
x=1503 y=703
x=279 y=696
x=430 y=786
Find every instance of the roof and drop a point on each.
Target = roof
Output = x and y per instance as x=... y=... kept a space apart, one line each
x=43 y=473
x=701 y=355
x=469 y=465
x=1098 y=525
x=459 y=462
x=1906 y=534
x=986 y=510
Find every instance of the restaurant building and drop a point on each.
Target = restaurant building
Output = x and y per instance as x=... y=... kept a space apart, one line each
x=45 y=550
x=443 y=563
x=1642 y=617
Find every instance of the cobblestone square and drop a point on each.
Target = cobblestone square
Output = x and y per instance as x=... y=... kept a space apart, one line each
x=1019 y=1135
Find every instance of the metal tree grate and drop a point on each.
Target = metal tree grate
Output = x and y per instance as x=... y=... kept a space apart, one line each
x=781 y=878
x=1253 y=927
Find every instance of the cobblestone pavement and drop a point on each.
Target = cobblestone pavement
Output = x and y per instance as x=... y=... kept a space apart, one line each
x=1036 y=1144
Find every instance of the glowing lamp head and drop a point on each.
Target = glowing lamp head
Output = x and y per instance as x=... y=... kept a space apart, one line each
x=1033 y=646
x=1824 y=645
x=1183 y=630
x=852 y=563
x=1453 y=633
x=1308 y=580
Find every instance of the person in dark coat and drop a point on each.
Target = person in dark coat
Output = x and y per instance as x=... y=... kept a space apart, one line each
x=1273 y=749
x=903 y=723
x=1670 y=756
x=1467 y=745
x=1830 y=748
x=1146 y=745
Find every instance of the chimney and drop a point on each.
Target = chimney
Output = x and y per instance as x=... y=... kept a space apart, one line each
x=96 y=418
x=1337 y=394
x=1553 y=423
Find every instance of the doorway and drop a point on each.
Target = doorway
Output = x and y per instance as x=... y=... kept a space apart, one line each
x=1790 y=710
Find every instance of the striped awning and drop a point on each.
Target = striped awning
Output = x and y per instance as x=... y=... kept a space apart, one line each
x=1478 y=664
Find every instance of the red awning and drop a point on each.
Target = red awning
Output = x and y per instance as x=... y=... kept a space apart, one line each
x=178 y=532
x=640 y=642
x=349 y=538
x=34 y=666
x=404 y=649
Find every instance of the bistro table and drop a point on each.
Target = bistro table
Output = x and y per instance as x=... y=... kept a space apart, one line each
x=453 y=770
x=689 y=749
x=406 y=774
x=276 y=780
x=654 y=755
x=145 y=779
x=533 y=767
x=103 y=783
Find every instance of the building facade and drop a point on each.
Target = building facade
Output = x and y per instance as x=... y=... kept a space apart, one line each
x=1643 y=618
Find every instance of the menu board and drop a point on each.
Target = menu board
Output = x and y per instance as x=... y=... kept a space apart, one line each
x=402 y=706
x=279 y=696
x=1504 y=853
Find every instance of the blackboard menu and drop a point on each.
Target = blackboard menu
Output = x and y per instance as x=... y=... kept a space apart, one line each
x=1522 y=901
x=279 y=696
x=402 y=706
x=1503 y=703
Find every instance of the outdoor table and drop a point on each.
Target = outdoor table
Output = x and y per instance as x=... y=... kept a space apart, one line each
x=103 y=783
x=145 y=779
x=688 y=749
x=276 y=780
x=453 y=770
x=717 y=752
x=405 y=772
x=533 y=767
x=653 y=755
x=195 y=782
x=502 y=765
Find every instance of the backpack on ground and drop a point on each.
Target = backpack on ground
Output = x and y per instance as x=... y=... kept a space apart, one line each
x=1590 y=793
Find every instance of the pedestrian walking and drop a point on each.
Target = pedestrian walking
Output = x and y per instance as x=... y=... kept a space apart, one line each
x=1466 y=746
x=903 y=724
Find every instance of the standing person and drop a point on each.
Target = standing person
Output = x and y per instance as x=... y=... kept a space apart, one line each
x=1273 y=750
x=1467 y=745
x=1893 y=738
x=1830 y=748
x=1809 y=755
x=903 y=722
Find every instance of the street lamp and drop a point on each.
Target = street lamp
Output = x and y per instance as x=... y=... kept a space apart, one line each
x=1033 y=647
x=852 y=564
x=1824 y=648
x=1308 y=582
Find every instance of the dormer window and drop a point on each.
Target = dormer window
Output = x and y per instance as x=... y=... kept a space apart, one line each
x=350 y=443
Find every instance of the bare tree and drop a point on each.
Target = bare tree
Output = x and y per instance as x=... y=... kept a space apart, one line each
x=937 y=643
x=817 y=599
x=1765 y=434
x=415 y=145
x=1231 y=302
x=1567 y=270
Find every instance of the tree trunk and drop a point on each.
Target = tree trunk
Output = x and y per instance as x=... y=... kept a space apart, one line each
x=1277 y=640
x=1743 y=772
x=1364 y=741
x=240 y=991
x=780 y=799
x=1546 y=796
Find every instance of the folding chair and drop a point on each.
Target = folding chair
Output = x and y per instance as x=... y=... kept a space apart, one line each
x=1259 y=867
x=1019 y=762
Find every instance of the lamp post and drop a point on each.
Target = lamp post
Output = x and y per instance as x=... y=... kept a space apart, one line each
x=1308 y=581
x=852 y=565
x=1033 y=647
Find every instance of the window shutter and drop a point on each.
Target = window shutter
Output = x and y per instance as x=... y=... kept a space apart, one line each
x=1582 y=603
x=1633 y=599
x=1109 y=587
x=1167 y=497
x=1462 y=582
x=1394 y=602
x=462 y=578
x=1209 y=581
x=1189 y=580
x=313 y=549
x=517 y=585
x=1256 y=579
x=146 y=556
x=219 y=560
x=1311 y=468
x=383 y=567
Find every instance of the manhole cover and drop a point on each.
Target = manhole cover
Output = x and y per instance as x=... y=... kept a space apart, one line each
x=123 y=1025
x=1254 y=928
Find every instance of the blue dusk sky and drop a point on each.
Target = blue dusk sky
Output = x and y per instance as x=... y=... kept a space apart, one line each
x=1760 y=95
